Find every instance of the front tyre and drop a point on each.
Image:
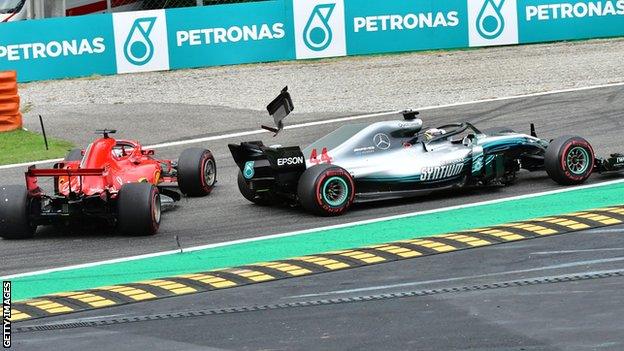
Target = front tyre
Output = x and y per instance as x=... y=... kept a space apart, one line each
x=15 y=208
x=138 y=209
x=197 y=172
x=326 y=190
x=569 y=160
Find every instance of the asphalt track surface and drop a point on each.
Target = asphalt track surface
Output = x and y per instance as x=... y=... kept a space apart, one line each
x=584 y=313
x=596 y=114
x=406 y=305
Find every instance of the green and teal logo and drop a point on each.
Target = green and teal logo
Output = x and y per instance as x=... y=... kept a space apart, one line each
x=139 y=48
x=317 y=34
x=248 y=170
x=491 y=22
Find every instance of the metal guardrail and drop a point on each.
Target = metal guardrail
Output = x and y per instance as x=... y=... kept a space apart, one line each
x=56 y=8
x=162 y=4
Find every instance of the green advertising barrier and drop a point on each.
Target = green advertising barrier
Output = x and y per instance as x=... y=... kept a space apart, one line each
x=393 y=26
x=289 y=29
x=547 y=20
x=58 y=48
x=232 y=34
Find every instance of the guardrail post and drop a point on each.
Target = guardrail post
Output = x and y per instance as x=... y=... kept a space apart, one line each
x=200 y=2
x=38 y=9
x=53 y=9
x=29 y=9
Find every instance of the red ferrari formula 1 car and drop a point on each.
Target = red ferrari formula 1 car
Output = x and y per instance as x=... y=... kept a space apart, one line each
x=112 y=180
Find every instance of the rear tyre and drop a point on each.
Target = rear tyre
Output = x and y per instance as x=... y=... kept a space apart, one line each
x=265 y=198
x=74 y=155
x=326 y=190
x=569 y=160
x=15 y=208
x=197 y=172
x=138 y=209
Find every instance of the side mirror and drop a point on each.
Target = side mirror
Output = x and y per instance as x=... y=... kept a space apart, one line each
x=410 y=115
x=148 y=152
x=279 y=108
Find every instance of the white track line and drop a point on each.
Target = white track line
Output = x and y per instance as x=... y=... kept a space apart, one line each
x=548 y=253
x=313 y=230
x=223 y=136
x=342 y=119
x=27 y=164
x=262 y=131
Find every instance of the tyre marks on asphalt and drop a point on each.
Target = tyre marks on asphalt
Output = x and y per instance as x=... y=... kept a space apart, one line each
x=146 y=290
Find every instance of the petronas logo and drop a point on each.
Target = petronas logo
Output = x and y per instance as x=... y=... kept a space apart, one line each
x=317 y=34
x=248 y=170
x=139 y=48
x=491 y=22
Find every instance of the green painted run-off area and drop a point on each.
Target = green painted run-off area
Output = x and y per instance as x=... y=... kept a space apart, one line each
x=319 y=241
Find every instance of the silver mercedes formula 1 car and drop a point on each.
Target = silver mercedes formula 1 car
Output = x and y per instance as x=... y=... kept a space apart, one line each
x=396 y=159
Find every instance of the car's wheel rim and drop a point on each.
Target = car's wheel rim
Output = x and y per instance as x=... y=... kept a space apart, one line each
x=578 y=160
x=335 y=191
x=209 y=173
x=156 y=212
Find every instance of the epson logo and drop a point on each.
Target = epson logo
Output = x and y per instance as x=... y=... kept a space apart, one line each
x=435 y=173
x=290 y=161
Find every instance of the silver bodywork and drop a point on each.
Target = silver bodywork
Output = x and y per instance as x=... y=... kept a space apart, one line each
x=397 y=152
x=395 y=159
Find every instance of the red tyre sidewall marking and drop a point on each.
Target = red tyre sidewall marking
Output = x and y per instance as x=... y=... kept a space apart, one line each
x=205 y=158
x=319 y=196
x=153 y=196
x=564 y=155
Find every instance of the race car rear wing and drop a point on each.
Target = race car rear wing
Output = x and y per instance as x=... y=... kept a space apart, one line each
x=83 y=172
x=279 y=108
x=33 y=173
x=279 y=158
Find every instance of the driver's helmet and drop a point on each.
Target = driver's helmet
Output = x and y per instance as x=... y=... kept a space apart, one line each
x=117 y=152
x=122 y=150
x=433 y=132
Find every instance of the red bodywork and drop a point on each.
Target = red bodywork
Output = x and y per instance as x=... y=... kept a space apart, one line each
x=107 y=165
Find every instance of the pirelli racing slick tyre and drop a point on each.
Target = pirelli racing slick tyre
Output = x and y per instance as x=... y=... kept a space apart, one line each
x=74 y=155
x=197 y=172
x=138 y=209
x=264 y=198
x=569 y=160
x=326 y=190
x=15 y=209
